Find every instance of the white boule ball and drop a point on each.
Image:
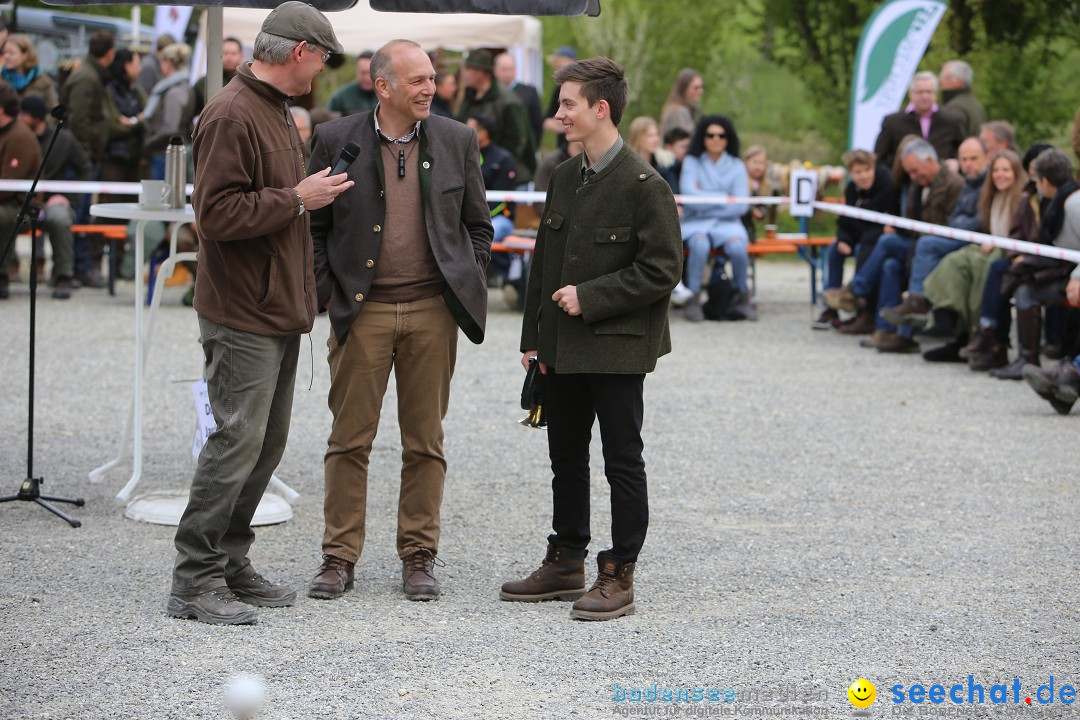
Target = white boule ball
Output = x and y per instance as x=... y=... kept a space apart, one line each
x=244 y=695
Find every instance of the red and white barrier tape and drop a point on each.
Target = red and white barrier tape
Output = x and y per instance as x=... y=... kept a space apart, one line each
x=1027 y=248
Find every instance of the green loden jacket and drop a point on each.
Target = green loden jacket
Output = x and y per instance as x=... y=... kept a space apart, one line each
x=618 y=240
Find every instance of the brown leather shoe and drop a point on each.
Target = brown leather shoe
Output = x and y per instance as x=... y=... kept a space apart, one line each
x=861 y=324
x=982 y=342
x=895 y=343
x=335 y=576
x=418 y=576
x=611 y=596
x=995 y=358
x=560 y=577
x=842 y=298
x=914 y=310
x=218 y=606
x=254 y=589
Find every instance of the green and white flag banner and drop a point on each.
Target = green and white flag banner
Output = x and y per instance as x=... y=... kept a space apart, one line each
x=892 y=44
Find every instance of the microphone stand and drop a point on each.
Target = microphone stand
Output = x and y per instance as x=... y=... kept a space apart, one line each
x=30 y=490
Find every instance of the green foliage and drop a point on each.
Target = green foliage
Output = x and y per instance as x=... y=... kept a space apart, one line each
x=146 y=12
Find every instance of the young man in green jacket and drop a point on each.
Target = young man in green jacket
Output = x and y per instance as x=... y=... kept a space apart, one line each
x=608 y=254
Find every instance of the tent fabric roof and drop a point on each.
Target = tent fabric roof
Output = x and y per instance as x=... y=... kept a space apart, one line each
x=361 y=28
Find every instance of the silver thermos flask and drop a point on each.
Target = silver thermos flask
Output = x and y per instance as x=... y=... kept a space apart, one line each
x=176 y=172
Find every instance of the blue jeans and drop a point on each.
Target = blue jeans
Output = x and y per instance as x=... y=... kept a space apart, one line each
x=700 y=245
x=500 y=261
x=868 y=277
x=996 y=310
x=929 y=250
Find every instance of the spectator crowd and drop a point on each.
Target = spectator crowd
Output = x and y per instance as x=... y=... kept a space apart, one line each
x=940 y=159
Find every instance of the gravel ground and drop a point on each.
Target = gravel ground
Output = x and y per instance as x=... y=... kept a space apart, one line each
x=820 y=513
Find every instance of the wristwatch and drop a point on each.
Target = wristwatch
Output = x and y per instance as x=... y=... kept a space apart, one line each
x=301 y=201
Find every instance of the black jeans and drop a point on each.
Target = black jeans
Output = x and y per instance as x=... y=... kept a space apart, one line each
x=573 y=402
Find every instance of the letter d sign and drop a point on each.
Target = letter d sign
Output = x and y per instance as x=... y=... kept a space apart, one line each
x=803 y=192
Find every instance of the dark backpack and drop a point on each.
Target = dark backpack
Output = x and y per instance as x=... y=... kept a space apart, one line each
x=722 y=298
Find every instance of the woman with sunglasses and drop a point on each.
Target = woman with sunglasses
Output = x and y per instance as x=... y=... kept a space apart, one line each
x=712 y=167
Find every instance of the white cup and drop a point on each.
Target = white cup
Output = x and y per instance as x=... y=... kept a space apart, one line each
x=152 y=194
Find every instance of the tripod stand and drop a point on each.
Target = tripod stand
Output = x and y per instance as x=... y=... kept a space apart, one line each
x=30 y=490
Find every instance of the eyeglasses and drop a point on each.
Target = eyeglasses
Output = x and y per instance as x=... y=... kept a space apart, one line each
x=325 y=55
x=713 y=136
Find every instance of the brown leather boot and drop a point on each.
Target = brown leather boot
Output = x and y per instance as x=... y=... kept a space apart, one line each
x=996 y=358
x=611 y=596
x=418 y=580
x=335 y=576
x=560 y=577
x=1028 y=335
x=982 y=342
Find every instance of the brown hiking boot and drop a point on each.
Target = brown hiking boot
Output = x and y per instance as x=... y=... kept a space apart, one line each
x=418 y=576
x=611 y=596
x=560 y=577
x=876 y=338
x=914 y=310
x=335 y=576
x=254 y=589
x=982 y=342
x=861 y=324
x=842 y=298
x=218 y=606
x=1056 y=385
x=995 y=358
x=895 y=343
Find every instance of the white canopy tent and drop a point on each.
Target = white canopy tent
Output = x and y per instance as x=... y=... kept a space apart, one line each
x=361 y=28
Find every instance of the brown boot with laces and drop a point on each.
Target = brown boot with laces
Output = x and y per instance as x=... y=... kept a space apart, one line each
x=218 y=606
x=335 y=576
x=418 y=575
x=611 y=596
x=253 y=589
x=560 y=577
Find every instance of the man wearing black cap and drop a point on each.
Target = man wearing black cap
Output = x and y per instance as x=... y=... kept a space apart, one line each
x=484 y=95
x=67 y=156
x=255 y=296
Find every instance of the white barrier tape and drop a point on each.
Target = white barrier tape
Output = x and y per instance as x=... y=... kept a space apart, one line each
x=1020 y=246
x=76 y=187
x=1028 y=248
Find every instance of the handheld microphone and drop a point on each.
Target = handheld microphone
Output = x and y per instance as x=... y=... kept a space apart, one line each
x=59 y=112
x=345 y=159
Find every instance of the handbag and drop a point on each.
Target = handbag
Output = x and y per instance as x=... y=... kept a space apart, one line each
x=532 y=397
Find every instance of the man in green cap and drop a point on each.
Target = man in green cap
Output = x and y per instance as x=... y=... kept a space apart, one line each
x=255 y=297
x=484 y=95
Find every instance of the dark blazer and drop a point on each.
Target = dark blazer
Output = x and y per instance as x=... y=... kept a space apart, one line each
x=347 y=232
x=618 y=240
x=946 y=134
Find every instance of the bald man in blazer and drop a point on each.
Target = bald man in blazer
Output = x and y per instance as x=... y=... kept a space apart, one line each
x=400 y=264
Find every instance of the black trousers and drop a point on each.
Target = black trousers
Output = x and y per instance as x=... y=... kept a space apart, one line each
x=573 y=402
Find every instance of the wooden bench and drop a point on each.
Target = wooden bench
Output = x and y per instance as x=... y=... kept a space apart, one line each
x=112 y=233
x=807 y=248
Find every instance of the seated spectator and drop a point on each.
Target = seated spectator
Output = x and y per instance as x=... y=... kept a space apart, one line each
x=762 y=184
x=988 y=348
x=643 y=137
x=165 y=107
x=499 y=169
x=682 y=107
x=1037 y=280
x=998 y=135
x=955 y=288
x=67 y=161
x=677 y=142
x=870 y=188
x=712 y=167
x=446 y=87
x=921 y=117
x=22 y=71
x=562 y=152
x=22 y=154
x=931 y=198
x=930 y=249
x=484 y=95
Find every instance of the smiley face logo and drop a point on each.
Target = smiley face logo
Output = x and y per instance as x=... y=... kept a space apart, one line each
x=862 y=693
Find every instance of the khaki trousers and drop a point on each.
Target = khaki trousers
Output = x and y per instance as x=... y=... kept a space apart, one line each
x=418 y=340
